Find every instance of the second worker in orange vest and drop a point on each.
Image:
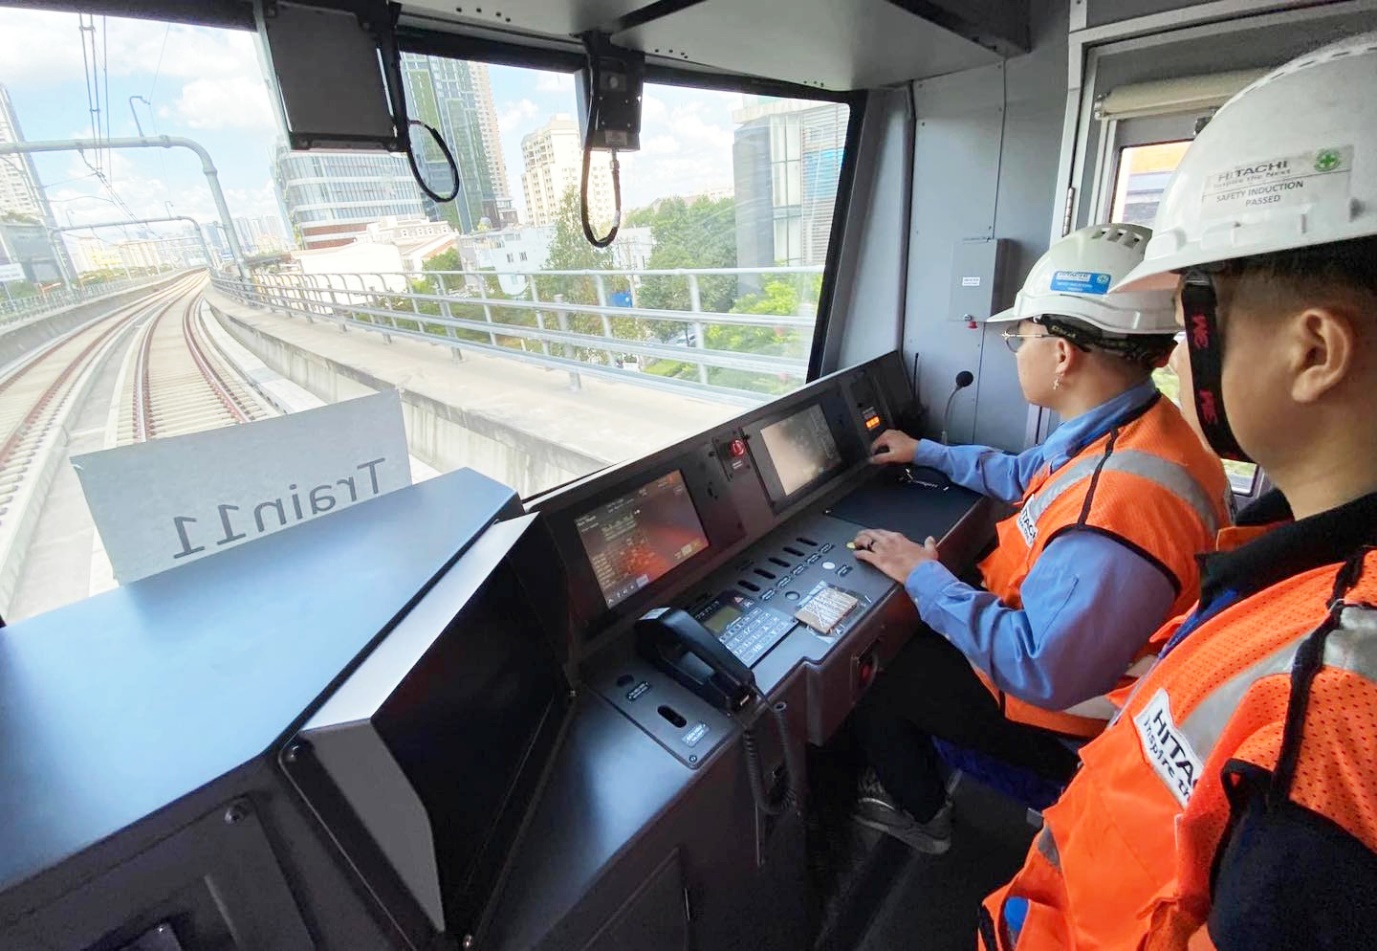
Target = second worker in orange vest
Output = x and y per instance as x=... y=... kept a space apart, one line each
x=1113 y=507
x=1233 y=803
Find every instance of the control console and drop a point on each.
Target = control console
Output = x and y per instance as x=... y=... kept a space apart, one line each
x=744 y=528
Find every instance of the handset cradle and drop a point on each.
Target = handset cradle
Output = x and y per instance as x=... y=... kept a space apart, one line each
x=678 y=644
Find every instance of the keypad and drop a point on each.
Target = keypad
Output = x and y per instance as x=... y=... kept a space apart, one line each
x=751 y=636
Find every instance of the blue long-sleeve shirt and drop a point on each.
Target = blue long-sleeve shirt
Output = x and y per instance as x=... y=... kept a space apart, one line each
x=1089 y=602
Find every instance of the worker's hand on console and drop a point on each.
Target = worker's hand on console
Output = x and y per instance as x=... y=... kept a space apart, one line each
x=893 y=446
x=892 y=553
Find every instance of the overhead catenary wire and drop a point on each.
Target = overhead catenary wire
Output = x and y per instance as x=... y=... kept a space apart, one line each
x=105 y=81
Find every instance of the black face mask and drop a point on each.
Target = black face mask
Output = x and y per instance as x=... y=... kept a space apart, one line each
x=1205 y=344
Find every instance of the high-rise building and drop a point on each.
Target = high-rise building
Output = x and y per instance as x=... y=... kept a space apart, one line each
x=553 y=160
x=455 y=97
x=491 y=132
x=20 y=192
x=330 y=197
x=786 y=163
x=25 y=207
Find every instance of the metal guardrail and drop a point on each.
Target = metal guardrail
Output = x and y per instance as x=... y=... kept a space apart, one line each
x=386 y=303
x=23 y=308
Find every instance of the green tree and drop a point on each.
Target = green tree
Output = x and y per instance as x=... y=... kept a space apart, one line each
x=570 y=251
x=446 y=261
x=689 y=234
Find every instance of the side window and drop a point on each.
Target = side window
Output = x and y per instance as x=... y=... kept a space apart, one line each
x=1142 y=175
x=1140 y=178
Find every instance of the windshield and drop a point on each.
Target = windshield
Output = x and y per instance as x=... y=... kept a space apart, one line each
x=134 y=309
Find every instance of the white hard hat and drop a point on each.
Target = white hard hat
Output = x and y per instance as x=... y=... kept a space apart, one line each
x=1289 y=162
x=1074 y=277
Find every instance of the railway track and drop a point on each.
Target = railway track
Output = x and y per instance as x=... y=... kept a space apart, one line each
x=180 y=382
x=35 y=396
x=153 y=371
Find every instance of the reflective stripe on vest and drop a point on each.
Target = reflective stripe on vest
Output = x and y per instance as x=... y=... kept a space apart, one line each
x=1047 y=846
x=1176 y=479
x=1352 y=646
x=1101 y=707
x=1126 y=855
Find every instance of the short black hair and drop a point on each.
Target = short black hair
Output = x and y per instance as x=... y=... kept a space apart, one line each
x=1307 y=274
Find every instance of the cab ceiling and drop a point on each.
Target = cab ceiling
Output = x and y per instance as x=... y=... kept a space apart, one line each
x=838 y=45
x=829 y=44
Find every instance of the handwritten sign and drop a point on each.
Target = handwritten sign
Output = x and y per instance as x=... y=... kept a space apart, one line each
x=168 y=502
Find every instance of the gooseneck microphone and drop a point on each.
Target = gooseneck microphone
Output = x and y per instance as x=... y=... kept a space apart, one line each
x=963 y=379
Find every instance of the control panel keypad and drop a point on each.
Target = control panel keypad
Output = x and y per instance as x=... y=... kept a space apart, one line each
x=748 y=629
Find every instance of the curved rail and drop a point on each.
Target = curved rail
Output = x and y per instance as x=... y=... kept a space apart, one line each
x=180 y=385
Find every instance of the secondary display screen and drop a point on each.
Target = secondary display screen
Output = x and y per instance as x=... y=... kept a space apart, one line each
x=802 y=448
x=635 y=539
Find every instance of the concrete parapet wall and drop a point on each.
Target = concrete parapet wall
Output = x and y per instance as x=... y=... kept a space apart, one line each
x=444 y=436
x=29 y=335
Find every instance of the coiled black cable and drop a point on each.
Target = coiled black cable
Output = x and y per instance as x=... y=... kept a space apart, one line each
x=449 y=157
x=594 y=80
x=793 y=776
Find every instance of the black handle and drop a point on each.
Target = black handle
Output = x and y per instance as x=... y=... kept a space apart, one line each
x=665 y=635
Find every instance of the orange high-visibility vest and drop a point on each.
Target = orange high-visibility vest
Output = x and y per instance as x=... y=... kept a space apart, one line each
x=1124 y=857
x=1149 y=484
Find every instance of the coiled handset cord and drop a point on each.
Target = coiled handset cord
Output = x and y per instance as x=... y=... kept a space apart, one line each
x=792 y=797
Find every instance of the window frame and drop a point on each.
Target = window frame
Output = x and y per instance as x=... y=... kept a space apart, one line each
x=557 y=58
x=1118 y=136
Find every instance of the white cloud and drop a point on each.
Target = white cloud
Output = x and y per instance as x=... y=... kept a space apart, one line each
x=686 y=149
x=512 y=115
x=555 y=82
x=235 y=102
x=45 y=47
x=661 y=145
x=653 y=109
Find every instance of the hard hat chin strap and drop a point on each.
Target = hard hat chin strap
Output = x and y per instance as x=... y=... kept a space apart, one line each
x=1205 y=344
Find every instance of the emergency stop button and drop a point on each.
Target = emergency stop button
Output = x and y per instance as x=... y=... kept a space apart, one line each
x=738 y=448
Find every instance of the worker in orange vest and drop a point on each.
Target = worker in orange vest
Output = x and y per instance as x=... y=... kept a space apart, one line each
x=1233 y=803
x=1113 y=507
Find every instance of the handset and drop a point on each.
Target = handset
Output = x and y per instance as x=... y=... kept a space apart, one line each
x=678 y=644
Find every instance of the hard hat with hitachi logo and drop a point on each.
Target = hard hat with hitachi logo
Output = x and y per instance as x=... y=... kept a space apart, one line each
x=1288 y=163
x=1074 y=277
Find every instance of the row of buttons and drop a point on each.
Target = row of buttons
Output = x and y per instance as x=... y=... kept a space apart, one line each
x=795 y=571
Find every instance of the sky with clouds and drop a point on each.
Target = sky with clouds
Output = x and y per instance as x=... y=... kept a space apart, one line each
x=207 y=84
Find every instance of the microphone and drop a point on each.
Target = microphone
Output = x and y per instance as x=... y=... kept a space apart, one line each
x=963 y=379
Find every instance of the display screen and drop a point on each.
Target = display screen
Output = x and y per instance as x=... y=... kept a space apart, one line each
x=637 y=538
x=801 y=448
x=721 y=619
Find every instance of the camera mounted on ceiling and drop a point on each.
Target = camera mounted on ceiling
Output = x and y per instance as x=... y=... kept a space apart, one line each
x=610 y=90
x=337 y=78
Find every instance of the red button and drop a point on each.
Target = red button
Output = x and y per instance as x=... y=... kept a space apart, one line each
x=738 y=448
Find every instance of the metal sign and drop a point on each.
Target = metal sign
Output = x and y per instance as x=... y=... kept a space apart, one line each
x=168 y=502
x=11 y=272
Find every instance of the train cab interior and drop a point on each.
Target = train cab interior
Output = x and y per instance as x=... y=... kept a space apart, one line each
x=610 y=712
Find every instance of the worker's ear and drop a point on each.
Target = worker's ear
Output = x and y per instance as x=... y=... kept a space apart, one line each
x=1069 y=356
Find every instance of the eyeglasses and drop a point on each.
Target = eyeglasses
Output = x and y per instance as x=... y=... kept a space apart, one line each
x=1015 y=340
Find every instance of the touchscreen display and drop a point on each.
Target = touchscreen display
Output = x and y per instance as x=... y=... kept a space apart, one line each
x=635 y=539
x=801 y=448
